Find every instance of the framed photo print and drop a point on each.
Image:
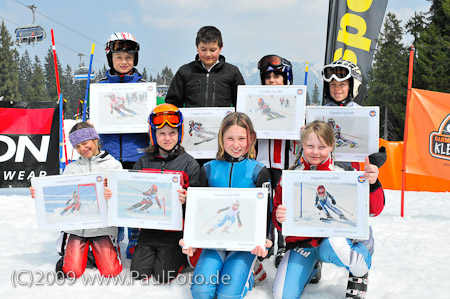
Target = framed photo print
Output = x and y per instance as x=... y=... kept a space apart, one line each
x=326 y=204
x=201 y=126
x=277 y=112
x=122 y=108
x=226 y=218
x=356 y=130
x=145 y=200
x=69 y=202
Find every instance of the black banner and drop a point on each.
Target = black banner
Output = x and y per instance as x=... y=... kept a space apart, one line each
x=29 y=142
x=352 y=33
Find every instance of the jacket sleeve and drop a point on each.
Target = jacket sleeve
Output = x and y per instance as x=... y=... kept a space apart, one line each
x=277 y=200
x=238 y=80
x=175 y=94
x=377 y=199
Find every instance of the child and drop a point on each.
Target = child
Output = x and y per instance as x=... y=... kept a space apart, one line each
x=122 y=53
x=297 y=266
x=276 y=154
x=157 y=252
x=75 y=244
x=324 y=200
x=231 y=215
x=234 y=167
x=208 y=81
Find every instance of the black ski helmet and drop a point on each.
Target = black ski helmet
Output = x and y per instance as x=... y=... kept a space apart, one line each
x=275 y=63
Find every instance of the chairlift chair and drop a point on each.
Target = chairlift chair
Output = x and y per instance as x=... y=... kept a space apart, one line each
x=82 y=72
x=30 y=34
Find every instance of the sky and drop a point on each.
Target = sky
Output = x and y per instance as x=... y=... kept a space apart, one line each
x=166 y=30
x=410 y=261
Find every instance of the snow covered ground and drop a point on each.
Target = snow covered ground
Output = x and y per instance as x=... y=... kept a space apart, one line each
x=412 y=257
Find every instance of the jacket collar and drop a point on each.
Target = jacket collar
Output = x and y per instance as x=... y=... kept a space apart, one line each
x=325 y=165
x=229 y=158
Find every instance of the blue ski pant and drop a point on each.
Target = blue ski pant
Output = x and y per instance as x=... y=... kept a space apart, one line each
x=223 y=274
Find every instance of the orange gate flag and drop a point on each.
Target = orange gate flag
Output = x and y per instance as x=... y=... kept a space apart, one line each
x=428 y=143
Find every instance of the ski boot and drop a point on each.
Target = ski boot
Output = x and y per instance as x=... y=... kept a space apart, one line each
x=133 y=235
x=328 y=217
x=259 y=274
x=318 y=275
x=279 y=256
x=357 y=286
x=342 y=216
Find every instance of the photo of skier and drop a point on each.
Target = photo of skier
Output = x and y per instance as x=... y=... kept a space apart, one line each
x=197 y=129
x=267 y=111
x=232 y=213
x=147 y=201
x=323 y=200
x=73 y=203
x=340 y=139
x=117 y=104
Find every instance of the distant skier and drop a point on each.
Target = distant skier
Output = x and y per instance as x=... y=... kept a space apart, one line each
x=266 y=110
x=147 y=201
x=199 y=131
x=73 y=203
x=117 y=103
x=323 y=201
x=231 y=215
x=340 y=140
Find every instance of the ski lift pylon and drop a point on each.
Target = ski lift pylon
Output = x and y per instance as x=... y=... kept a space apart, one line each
x=30 y=34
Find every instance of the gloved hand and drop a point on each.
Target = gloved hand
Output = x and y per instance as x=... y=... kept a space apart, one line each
x=379 y=158
x=333 y=201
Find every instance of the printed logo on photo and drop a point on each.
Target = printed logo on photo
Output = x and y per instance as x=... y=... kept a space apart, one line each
x=440 y=141
x=150 y=88
x=300 y=91
x=175 y=179
x=99 y=178
x=361 y=179
x=260 y=195
x=373 y=113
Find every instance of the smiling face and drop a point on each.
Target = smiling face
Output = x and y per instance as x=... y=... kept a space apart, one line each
x=88 y=148
x=339 y=90
x=315 y=150
x=123 y=62
x=167 y=138
x=235 y=141
x=208 y=53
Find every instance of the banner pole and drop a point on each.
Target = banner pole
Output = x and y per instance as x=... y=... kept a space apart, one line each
x=86 y=95
x=405 y=133
x=306 y=73
x=61 y=134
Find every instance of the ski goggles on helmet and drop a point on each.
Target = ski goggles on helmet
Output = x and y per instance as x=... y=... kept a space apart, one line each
x=274 y=61
x=128 y=46
x=338 y=72
x=160 y=119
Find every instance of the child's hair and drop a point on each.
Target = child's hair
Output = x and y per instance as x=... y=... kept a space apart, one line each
x=83 y=131
x=242 y=120
x=322 y=130
x=209 y=34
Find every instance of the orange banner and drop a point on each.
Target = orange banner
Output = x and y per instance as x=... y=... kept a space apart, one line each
x=428 y=143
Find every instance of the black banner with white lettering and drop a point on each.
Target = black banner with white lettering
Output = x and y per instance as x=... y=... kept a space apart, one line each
x=352 y=33
x=29 y=142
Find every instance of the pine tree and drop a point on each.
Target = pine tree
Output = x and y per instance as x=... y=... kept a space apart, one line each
x=37 y=84
x=25 y=75
x=433 y=62
x=9 y=75
x=50 y=76
x=388 y=79
x=145 y=75
x=315 y=96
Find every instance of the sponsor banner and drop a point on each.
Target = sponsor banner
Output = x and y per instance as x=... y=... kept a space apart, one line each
x=29 y=142
x=352 y=31
x=428 y=143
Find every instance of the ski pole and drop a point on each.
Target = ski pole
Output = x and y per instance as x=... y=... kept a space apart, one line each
x=343 y=209
x=207 y=221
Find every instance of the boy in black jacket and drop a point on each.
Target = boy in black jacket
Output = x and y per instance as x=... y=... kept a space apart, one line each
x=208 y=81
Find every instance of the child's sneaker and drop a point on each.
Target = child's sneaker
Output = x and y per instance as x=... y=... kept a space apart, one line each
x=259 y=273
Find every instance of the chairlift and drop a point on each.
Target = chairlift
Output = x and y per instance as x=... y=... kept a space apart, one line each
x=82 y=73
x=30 y=34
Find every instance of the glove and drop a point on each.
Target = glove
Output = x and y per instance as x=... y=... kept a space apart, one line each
x=333 y=201
x=379 y=158
x=320 y=208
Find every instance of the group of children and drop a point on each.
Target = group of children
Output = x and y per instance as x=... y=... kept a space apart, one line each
x=242 y=161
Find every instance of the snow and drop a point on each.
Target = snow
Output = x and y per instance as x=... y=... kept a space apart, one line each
x=411 y=260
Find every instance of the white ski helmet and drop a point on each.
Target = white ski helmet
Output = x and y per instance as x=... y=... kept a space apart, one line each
x=121 y=42
x=275 y=63
x=342 y=70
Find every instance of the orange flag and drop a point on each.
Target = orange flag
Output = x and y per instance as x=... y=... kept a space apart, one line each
x=428 y=143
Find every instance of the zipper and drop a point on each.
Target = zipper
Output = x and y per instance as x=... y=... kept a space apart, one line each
x=206 y=90
x=214 y=94
x=231 y=174
x=199 y=90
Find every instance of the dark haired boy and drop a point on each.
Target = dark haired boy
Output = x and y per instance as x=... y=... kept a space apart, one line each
x=208 y=81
